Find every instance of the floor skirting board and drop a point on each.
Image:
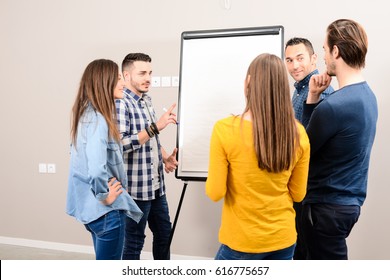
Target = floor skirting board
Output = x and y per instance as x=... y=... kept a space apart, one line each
x=78 y=248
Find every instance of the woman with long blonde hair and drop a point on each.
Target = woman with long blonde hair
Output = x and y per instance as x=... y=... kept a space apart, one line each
x=259 y=165
x=97 y=188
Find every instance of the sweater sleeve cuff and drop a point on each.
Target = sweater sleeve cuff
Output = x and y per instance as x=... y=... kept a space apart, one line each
x=307 y=111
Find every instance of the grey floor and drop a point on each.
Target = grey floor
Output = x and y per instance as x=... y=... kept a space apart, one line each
x=13 y=252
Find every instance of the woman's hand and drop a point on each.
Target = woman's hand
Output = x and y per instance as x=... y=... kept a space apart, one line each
x=115 y=189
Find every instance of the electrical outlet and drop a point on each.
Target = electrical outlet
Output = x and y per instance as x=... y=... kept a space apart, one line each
x=51 y=168
x=175 y=81
x=166 y=81
x=156 y=81
x=42 y=168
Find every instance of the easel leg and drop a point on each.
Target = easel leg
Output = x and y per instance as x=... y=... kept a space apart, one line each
x=176 y=217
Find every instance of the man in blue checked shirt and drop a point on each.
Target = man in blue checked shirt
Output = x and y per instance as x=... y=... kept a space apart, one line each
x=301 y=64
x=144 y=158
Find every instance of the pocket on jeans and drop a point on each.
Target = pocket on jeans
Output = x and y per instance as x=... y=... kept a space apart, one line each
x=107 y=222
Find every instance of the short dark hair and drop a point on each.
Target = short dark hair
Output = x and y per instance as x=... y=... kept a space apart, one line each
x=131 y=57
x=351 y=40
x=297 y=40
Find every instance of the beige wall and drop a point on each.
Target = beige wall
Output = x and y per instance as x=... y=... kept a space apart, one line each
x=45 y=46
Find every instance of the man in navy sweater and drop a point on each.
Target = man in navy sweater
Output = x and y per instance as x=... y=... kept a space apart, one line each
x=341 y=130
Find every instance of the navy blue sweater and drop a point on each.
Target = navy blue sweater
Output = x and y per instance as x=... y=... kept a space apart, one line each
x=341 y=130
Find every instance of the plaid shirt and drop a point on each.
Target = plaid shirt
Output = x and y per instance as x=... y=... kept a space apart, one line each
x=138 y=159
x=300 y=94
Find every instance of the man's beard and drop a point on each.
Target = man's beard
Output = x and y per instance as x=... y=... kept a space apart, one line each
x=330 y=70
x=138 y=88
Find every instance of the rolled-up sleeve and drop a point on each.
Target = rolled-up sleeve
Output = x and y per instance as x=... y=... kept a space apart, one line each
x=129 y=133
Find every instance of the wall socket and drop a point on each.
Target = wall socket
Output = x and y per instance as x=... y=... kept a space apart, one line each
x=165 y=81
x=46 y=168
x=156 y=81
x=42 y=168
x=175 y=81
x=51 y=168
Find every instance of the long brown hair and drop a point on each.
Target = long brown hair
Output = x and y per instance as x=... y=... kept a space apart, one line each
x=275 y=132
x=97 y=88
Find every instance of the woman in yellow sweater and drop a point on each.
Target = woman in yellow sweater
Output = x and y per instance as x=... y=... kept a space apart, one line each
x=259 y=165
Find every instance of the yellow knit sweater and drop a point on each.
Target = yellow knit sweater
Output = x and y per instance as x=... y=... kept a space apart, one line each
x=258 y=214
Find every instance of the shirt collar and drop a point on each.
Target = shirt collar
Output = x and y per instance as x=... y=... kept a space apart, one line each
x=136 y=97
x=303 y=83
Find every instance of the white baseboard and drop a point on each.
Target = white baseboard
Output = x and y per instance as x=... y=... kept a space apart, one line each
x=78 y=248
x=47 y=245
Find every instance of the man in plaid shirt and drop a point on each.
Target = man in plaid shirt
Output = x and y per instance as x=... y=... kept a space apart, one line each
x=144 y=158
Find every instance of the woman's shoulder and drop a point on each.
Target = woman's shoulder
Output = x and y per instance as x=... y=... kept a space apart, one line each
x=229 y=120
x=92 y=115
x=94 y=119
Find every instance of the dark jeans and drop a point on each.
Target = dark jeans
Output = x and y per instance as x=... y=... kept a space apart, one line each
x=108 y=235
x=300 y=250
x=225 y=253
x=156 y=214
x=325 y=229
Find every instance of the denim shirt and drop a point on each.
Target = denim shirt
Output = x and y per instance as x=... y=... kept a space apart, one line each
x=94 y=159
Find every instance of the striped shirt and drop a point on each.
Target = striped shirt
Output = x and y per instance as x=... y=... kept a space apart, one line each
x=133 y=117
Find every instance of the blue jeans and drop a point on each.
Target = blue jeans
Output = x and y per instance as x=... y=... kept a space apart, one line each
x=225 y=253
x=156 y=214
x=325 y=229
x=108 y=235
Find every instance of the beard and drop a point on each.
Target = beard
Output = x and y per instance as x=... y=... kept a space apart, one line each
x=331 y=69
x=139 y=88
x=142 y=91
